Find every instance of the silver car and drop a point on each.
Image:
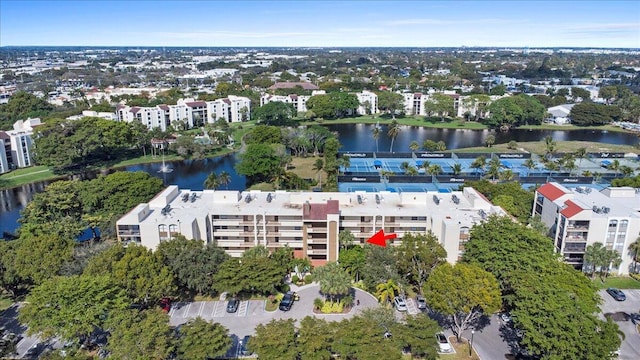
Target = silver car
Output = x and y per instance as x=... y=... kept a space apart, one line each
x=400 y=304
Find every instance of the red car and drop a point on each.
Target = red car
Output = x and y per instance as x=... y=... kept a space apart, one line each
x=165 y=304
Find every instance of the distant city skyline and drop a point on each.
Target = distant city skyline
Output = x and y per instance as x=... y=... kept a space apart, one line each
x=603 y=24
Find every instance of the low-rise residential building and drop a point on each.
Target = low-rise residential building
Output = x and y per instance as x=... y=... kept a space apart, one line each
x=17 y=145
x=299 y=102
x=580 y=217
x=307 y=222
x=193 y=113
x=368 y=103
x=560 y=114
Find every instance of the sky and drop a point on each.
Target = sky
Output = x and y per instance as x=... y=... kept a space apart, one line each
x=608 y=24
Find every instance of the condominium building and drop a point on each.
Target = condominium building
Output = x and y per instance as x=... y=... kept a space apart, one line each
x=17 y=145
x=580 y=217
x=307 y=222
x=189 y=111
x=414 y=103
x=368 y=103
x=299 y=102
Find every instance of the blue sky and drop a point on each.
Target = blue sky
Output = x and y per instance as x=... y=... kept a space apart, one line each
x=321 y=23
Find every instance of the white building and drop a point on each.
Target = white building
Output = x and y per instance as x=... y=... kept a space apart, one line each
x=370 y=98
x=308 y=222
x=580 y=217
x=21 y=143
x=299 y=102
x=193 y=113
x=560 y=114
x=5 y=148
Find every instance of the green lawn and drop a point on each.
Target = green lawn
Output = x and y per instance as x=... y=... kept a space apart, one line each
x=538 y=147
x=25 y=176
x=5 y=303
x=620 y=282
x=571 y=127
x=420 y=121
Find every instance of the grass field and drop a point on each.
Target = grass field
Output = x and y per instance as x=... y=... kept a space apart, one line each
x=5 y=303
x=620 y=282
x=26 y=176
x=420 y=121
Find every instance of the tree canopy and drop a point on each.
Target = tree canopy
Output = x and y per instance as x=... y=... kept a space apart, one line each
x=200 y=339
x=140 y=334
x=275 y=113
x=593 y=114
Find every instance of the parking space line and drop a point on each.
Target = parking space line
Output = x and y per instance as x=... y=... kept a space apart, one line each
x=201 y=308
x=244 y=305
x=215 y=307
x=220 y=309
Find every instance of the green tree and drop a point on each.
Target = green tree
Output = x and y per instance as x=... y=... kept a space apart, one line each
x=40 y=258
x=70 y=307
x=140 y=335
x=380 y=266
x=143 y=275
x=581 y=93
x=504 y=112
x=393 y=132
x=200 y=339
x=490 y=140
x=333 y=279
x=363 y=338
x=375 y=133
x=352 y=259
x=417 y=255
x=259 y=163
x=322 y=106
x=390 y=102
x=264 y=134
x=275 y=113
x=23 y=105
x=634 y=248
x=250 y=275
x=414 y=146
x=314 y=339
x=462 y=292
x=418 y=333
x=275 y=340
x=593 y=114
x=211 y=182
x=192 y=263
x=441 y=105
x=385 y=292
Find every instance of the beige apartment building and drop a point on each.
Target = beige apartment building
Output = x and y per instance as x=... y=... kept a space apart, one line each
x=580 y=217
x=307 y=222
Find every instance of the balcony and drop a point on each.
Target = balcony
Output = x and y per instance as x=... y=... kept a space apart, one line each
x=316 y=230
x=129 y=232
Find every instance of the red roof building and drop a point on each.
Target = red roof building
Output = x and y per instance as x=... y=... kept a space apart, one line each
x=550 y=191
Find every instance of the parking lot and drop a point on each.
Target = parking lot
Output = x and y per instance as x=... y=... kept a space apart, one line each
x=630 y=348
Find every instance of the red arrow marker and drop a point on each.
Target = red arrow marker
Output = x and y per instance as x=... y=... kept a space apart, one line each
x=380 y=238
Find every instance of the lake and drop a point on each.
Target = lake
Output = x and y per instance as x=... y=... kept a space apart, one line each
x=190 y=174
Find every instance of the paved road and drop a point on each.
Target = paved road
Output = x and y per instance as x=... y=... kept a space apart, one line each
x=630 y=348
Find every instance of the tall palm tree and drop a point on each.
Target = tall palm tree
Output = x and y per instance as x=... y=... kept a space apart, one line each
x=375 y=132
x=550 y=147
x=212 y=181
x=385 y=292
x=494 y=168
x=594 y=256
x=611 y=259
x=634 y=247
x=434 y=169
x=394 y=130
x=224 y=179
x=580 y=154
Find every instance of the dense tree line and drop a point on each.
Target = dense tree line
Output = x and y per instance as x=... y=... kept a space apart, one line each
x=509 y=195
x=592 y=114
x=333 y=105
x=514 y=111
x=554 y=305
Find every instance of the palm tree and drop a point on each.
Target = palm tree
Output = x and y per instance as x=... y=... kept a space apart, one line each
x=412 y=171
x=479 y=163
x=506 y=175
x=414 y=146
x=345 y=162
x=586 y=173
x=456 y=168
x=212 y=181
x=550 y=147
x=404 y=166
x=634 y=247
x=593 y=256
x=434 y=169
x=611 y=259
x=580 y=154
x=494 y=168
x=375 y=132
x=394 y=130
x=615 y=166
x=626 y=171
x=224 y=178
x=385 y=292
x=530 y=164
x=490 y=140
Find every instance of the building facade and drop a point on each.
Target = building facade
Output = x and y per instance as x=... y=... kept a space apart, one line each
x=583 y=216
x=17 y=145
x=299 y=102
x=307 y=222
x=189 y=112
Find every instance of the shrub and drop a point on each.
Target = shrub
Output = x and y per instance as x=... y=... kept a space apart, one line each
x=512 y=145
x=347 y=301
x=326 y=307
x=318 y=303
x=295 y=279
x=308 y=279
x=337 y=307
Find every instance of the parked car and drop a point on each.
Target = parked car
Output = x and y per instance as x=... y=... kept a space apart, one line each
x=232 y=305
x=399 y=303
x=635 y=318
x=421 y=301
x=244 y=351
x=287 y=301
x=165 y=304
x=443 y=343
x=505 y=317
x=617 y=294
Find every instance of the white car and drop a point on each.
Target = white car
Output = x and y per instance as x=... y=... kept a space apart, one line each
x=505 y=317
x=443 y=343
x=400 y=304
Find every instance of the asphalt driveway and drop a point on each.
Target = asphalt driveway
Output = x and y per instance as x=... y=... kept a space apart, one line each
x=630 y=348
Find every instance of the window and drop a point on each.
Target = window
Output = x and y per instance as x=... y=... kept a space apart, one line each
x=613 y=224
